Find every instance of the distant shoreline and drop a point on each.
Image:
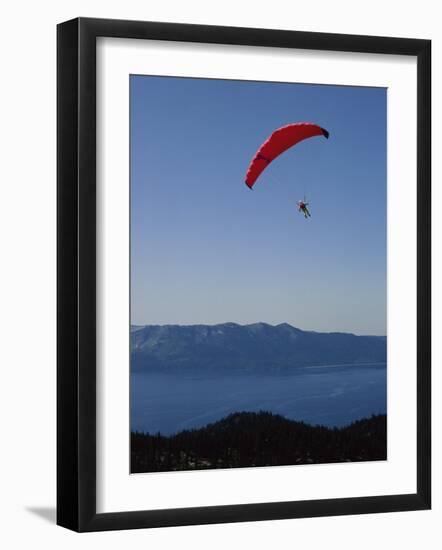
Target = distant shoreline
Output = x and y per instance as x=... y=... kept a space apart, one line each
x=255 y=347
x=137 y=326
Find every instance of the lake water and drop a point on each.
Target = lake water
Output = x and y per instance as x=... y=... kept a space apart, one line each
x=332 y=396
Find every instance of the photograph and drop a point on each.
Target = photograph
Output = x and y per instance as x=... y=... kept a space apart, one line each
x=220 y=277
x=258 y=274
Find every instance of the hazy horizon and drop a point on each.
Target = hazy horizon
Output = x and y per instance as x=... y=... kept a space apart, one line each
x=250 y=324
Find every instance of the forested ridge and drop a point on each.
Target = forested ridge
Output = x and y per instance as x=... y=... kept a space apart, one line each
x=248 y=439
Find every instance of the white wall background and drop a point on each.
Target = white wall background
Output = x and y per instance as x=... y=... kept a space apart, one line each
x=27 y=274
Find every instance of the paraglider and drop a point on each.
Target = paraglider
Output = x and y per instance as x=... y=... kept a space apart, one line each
x=279 y=141
x=302 y=207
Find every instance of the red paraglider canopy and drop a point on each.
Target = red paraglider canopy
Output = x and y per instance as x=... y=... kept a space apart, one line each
x=281 y=139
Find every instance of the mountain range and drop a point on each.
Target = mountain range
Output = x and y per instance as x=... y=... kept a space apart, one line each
x=247 y=348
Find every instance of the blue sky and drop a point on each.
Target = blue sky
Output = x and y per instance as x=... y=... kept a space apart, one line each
x=206 y=249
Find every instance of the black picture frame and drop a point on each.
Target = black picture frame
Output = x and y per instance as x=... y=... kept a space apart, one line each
x=77 y=288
